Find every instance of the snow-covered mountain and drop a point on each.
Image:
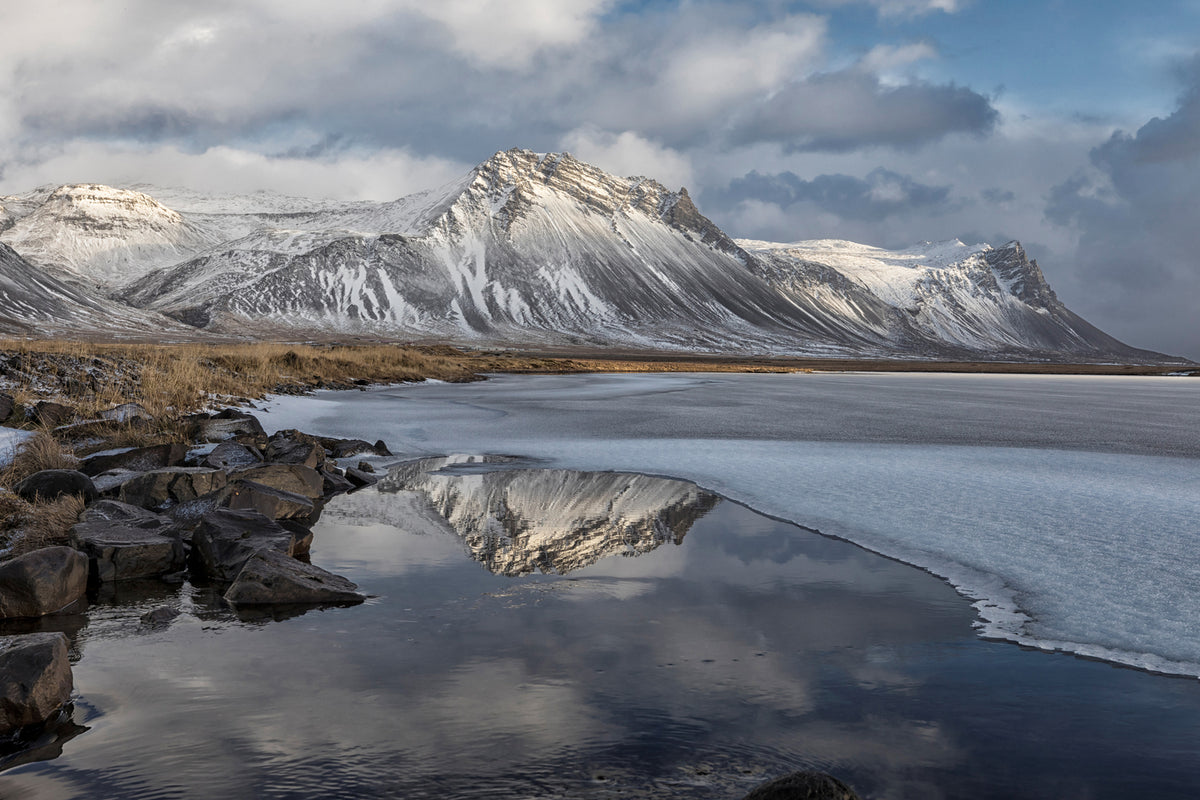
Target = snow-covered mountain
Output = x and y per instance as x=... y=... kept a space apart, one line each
x=516 y=522
x=536 y=249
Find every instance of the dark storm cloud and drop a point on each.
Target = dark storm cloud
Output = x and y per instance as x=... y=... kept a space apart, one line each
x=1139 y=241
x=881 y=194
x=843 y=111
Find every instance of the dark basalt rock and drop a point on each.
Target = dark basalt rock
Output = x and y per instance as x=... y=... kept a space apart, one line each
x=271 y=578
x=127 y=549
x=35 y=679
x=7 y=406
x=294 y=478
x=335 y=483
x=228 y=424
x=803 y=786
x=140 y=459
x=51 y=580
x=268 y=501
x=51 y=484
x=345 y=448
x=127 y=413
x=284 y=449
x=162 y=488
x=360 y=478
x=225 y=539
x=231 y=455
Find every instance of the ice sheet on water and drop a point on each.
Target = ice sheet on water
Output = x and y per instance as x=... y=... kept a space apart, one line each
x=9 y=439
x=1085 y=551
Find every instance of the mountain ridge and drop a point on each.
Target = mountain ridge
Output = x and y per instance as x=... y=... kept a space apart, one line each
x=541 y=249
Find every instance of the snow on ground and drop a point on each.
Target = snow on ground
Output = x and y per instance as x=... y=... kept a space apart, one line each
x=1042 y=499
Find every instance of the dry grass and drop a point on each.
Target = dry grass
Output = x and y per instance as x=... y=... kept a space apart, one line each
x=25 y=527
x=35 y=454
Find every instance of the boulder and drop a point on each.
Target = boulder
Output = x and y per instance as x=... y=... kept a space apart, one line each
x=51 y=484
x=35 y=679
x=333 y=483
x=271 y=578
x=365 y=466
x=126 y=413
x=294 y=478
x=267 y=500
x=130 y=548
x=360 y=478
x=231 y=455
x=345 y=448
x=803 y=786
x=51 y=414
x=51 y=580
x=285 y=450
x=224 y=539
x=163 y=615
x=139 y=459
x=7 y=406
x=110 y=482
x=162 y=488
x=227 y=425
x=116 y=511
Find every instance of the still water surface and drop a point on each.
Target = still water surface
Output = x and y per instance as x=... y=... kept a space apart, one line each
x=554 y=633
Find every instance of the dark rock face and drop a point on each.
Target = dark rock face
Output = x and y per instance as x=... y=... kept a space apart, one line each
x=225 y=539
x=270 y=578
x=803 y=786
x=344 y=448
x=51 y=484
x=268 y=501
x=35 y=679
x=163 y=488
x=7 y=406
x=360 y=478
x=140 y=459
x=294 y=478
x=335 y=483
x=231 y=455
x=46 y=581
x=127 y=413
x=121 y=550
x=51 y=414
x=282 y=449
x=221 y=428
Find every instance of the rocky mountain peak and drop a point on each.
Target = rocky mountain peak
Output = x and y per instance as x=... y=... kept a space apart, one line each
x=96 y=205
x=1021 y=275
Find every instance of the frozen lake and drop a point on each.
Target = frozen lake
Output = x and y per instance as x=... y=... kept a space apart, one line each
x=1068 y=508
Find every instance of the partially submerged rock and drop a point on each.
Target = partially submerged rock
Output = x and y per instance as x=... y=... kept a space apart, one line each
x=360 y=478
x=225 y=539
x=126 y=549
x=293 y=447
x=51 y=484
x=294 y=478
x=51 y=580
x=35 y=679
x=270 y=578
x=162 y=488
x=803 y=786
x=267 y=500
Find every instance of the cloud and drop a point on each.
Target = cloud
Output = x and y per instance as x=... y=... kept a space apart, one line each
x=852 y=109
x=902 y=8
x=629 y=154
x=880 y=194
x=1134 y=213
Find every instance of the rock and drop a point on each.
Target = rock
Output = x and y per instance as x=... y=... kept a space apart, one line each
x=381 y=449
x=116 y=511
x=226 y=426
x=294 y=478
x=301 y=533
x=293 y=447
x=140 y=459
x=231 y=455
x=365 y=466
x=35 y=679
x=163 y=488
x=334 y=483
x=7 y=406
x=803 y=786
x=268 y=501
x=271 y=578
x=360 y=478
x=110 y=482
x=125 y=549
x=127 y=412
x=51 y=484
x=51 y=414
x=160 y=616
x=51 y=580
x=225 y=539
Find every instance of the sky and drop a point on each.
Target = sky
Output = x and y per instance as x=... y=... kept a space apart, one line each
x=1070 y=125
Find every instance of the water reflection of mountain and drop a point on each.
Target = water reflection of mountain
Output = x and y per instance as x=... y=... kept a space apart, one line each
x=517 y=521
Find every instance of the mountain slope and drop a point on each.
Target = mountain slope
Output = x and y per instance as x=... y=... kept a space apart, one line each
x=536 y=249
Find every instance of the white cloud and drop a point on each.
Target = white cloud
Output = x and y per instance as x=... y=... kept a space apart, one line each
x=629 y=154
x=378 y=175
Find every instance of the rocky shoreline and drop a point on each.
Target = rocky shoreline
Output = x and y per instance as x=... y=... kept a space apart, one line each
x=233 y=508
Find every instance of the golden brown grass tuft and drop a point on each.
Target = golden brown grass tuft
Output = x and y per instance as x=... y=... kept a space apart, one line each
x=25 y=527
x=39 y=452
